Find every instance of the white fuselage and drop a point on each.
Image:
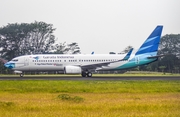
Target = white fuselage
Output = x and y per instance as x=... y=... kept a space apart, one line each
x=53 y=62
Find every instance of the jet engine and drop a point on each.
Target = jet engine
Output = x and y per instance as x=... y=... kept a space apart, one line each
x=72 y=70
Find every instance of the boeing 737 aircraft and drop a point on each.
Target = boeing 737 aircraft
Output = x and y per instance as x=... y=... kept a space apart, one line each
x=84 y=64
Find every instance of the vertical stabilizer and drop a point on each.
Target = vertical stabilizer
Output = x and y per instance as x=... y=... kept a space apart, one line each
x=152 y=42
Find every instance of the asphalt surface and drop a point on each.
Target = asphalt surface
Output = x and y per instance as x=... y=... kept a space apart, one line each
x=94 y=78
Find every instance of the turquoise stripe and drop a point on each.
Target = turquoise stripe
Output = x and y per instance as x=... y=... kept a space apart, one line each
x=133 y=63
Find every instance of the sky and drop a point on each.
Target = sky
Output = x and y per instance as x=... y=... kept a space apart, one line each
x=101 y=26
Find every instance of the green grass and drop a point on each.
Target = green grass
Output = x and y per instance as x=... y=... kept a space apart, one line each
x=43 y=86
x=128 y=73
x=89 y=98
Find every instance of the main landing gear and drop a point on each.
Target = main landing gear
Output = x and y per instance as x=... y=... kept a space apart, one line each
x=86 y=74
x=21 y=74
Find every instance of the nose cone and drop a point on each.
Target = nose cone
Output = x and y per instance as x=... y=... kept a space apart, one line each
x=9 y=65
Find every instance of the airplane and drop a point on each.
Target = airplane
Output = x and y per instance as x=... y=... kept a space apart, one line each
x=85 y=64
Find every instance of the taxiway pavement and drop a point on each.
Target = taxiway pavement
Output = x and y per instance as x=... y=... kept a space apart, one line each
x=93 y=78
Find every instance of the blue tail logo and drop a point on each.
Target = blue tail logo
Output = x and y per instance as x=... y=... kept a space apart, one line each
x=152 y=42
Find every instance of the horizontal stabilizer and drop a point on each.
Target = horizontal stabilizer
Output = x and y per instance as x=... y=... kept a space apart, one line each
x=152 y=57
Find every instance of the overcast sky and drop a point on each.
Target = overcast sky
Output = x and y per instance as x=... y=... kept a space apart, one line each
x=97 y=25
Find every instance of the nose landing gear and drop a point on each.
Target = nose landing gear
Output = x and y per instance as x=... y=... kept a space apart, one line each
x=21 y=74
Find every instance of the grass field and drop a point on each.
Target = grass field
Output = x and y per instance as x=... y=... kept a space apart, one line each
x=130 y=73
x=40 y=98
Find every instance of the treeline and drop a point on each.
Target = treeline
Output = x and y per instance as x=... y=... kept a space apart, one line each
x=38 y=38
x=31 y=38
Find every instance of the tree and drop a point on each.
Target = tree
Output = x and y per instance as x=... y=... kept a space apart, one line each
x=20 y=39
x=112 y=53
x=41 y=37
x=170 y=45
x=73 y=48
x=63 y=48
x=169 y=62
x=126 y=50
x=11 y=37
x=162 y=68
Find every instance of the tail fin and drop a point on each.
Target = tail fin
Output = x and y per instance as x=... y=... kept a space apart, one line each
x=152 y=42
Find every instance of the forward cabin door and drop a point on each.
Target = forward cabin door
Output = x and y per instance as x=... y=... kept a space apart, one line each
x=26 y=63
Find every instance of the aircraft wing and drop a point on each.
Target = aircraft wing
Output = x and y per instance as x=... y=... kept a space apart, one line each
x=94 y=66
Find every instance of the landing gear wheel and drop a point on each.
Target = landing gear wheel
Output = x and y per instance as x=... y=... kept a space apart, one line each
x=86 y=73
x=21 y=75
x=89 y=74
x=83 y=74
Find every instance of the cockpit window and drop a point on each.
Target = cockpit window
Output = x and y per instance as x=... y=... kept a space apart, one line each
x=15 y=60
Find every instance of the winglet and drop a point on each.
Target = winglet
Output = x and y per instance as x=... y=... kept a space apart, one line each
x=128 y=54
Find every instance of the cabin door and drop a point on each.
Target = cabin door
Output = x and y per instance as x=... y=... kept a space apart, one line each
x=26 y=61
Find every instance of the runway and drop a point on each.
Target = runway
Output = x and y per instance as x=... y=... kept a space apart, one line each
x=94 y=78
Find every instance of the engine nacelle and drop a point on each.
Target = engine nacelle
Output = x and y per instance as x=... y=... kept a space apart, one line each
x=72 y=70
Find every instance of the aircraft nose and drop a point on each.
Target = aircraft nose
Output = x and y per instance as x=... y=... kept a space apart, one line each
x=6 y=65
x=9 y=65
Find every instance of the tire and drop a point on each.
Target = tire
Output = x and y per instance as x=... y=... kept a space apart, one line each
x=21 y=75
x=89 y=74
x=83 y=74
